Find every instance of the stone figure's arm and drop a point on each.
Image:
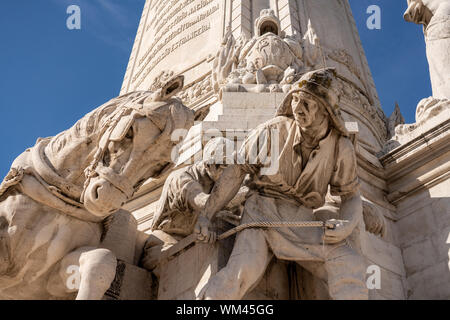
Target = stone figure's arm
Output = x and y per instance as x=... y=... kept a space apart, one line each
x=202 y=178
x=225 y=188
x=351 y=213
x=181 y=192
x=345 y=184
x=195 y=196
x=186 y=192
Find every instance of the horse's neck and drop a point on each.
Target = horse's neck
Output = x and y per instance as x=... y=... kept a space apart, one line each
x=71 y=152
x=69 y=155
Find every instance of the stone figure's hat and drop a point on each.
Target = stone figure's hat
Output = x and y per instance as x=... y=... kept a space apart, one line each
x=322 y=85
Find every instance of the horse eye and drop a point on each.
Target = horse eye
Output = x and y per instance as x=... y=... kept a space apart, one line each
x=129 y=134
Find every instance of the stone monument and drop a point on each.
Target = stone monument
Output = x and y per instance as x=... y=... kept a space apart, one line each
x=63 y=235
x=291 y=183
x=260 y=52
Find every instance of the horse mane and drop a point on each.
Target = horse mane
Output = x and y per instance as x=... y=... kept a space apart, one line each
x=89 y=126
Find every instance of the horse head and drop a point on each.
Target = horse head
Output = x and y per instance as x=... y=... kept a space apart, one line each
x=136 y=146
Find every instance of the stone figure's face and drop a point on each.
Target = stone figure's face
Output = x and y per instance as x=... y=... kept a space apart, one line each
x=305 y=109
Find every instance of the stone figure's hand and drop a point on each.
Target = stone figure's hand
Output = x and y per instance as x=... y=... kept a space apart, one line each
x=202 y=229
x=337 y=230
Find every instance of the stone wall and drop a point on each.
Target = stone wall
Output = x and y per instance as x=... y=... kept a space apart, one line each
x=424 y=235
x=419 y=184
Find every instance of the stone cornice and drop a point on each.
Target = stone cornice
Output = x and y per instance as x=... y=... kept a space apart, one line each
x=404 y=166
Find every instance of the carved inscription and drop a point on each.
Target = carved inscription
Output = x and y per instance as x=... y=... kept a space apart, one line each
x=173 y=24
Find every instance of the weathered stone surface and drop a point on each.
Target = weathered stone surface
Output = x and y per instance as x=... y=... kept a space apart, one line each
x=131 y=283
x=392 y=285
x=417 y=226
x=419 y=256
x=441 y=243
x=430 y=283
x=382 y=253
x=167 y=31
x=441 y=210
x=251 y=254
x=434 y=15
x=184 y=275
x=63 y=193
x=245 y=60
x=274 y=285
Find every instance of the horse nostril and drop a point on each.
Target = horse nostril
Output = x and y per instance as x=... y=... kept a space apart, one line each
x=96 y=196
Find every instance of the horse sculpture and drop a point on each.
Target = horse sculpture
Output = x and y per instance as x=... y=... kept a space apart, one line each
x=57 y=194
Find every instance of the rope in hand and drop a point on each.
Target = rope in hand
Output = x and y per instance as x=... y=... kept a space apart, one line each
x=189 y=240
x=281 y=224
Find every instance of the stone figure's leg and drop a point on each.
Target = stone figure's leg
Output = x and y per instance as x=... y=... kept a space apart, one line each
x=97 y=270
x=120 y=236
x=246 y=266
x=346 y=274
x=88 y=270
x=313 y=280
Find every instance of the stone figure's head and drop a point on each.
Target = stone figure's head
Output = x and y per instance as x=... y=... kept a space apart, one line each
x=419 y=11
x=314 y=97
x=138 y=147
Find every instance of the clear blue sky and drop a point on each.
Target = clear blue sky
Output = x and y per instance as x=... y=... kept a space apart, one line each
x=51 y=77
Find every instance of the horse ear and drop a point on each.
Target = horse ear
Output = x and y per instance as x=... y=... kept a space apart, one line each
x=121 y=129
x=172 y=87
